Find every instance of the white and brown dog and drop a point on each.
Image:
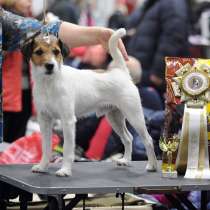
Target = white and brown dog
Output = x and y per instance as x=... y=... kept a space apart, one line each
x=61 y=92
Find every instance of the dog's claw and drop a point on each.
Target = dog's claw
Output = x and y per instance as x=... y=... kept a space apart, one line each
x=63 y=172
x=122 y=162
x=151 y=167
x=38 y=169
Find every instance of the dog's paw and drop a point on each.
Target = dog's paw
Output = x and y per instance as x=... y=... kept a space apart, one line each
x=39 y=169
x=122 y=162
x=151 y=167
x=63 y=172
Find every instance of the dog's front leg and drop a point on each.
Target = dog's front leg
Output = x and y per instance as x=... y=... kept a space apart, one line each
x=69 y=146
x=45 y=123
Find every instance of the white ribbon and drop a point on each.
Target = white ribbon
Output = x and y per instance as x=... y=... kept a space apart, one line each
x=197 y=134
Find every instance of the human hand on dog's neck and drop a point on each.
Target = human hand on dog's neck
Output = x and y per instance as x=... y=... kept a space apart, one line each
x=75 y=36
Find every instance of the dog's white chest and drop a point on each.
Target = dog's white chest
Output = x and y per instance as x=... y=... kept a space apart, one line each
x=46 y=98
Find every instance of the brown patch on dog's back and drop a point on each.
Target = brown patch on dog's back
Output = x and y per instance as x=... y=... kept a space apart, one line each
x=44 y=49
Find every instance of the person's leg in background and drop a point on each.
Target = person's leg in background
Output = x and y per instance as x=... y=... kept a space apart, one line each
x=15 y=122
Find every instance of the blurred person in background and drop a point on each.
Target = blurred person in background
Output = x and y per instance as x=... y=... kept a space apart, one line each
x=66 y=10
x=21 y=7
x=17 y=99
x=161 y=29
x=123 y=8
x=130 y=5
x=87 y=14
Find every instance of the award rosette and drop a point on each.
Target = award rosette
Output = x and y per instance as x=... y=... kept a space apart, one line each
x=188 y=83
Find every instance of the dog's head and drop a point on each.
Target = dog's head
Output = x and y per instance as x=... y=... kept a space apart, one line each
x=46 y=53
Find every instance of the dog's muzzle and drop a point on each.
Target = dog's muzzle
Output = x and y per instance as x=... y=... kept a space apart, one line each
x=49 y=68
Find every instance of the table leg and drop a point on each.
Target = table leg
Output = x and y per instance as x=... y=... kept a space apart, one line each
x=183 y=198
x=76 y=200
x=122 y=195
x=174 y=201
x=24 y=197
x=56 y=202
x=203 y=200
x=3 y=205
x=83 y=204
x=123 y=200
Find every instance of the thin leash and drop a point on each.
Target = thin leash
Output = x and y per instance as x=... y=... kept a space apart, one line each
x=47 y=35
x=44 y=21
x=44 y=12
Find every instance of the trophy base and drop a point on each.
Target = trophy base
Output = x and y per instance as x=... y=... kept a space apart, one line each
x=196 y=174
x=169 y=174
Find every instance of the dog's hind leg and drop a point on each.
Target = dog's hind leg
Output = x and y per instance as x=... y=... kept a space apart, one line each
x=134 y=115
x=117 y=121
x=68 y=124
x=45 y=123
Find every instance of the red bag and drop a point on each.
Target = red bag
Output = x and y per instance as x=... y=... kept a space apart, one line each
x=27 y=149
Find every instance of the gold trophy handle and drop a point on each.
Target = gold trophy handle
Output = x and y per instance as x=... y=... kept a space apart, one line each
x=169 y=154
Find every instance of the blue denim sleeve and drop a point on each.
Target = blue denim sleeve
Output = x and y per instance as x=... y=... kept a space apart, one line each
x=17 y=29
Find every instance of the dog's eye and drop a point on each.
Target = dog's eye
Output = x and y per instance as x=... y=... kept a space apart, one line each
x=39 y=52
x=56 y=52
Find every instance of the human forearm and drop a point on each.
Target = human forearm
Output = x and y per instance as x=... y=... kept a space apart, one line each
x=74 y=36
x=17 y=29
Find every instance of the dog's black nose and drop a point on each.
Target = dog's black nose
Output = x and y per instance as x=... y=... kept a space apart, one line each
x=49 y=66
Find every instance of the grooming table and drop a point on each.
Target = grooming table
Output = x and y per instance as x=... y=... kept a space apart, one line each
x=97 y=177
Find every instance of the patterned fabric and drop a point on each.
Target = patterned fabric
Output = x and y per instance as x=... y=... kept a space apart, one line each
x=14 y=30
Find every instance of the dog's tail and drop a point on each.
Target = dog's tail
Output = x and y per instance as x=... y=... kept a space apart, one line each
x=114 y=50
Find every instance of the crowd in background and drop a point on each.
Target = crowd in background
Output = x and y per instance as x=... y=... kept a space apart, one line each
x=155 y=29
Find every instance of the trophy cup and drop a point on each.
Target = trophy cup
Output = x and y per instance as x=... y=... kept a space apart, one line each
x=191 y=84
x=169 y=147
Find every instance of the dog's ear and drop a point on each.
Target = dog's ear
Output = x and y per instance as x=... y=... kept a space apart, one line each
x=27 y=49
x=64 y=49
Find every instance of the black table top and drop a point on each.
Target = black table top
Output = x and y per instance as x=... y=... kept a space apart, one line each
x=96 y=177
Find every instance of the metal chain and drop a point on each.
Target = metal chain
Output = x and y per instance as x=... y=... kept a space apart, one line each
x=44 y=10
x=44 y=18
